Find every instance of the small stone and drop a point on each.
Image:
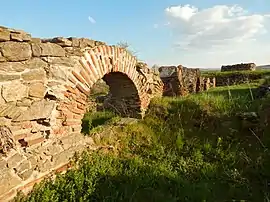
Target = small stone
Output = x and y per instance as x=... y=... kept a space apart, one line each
x=16 y=51
x=34 y=74
x=4 y=35
x=37 y=90
x=15 y=160
x=14 y=91
x=62 y=158
x=7 y=181
x=44 y=166
x=61 y=41
x=21 y=36
x=38 y=110
x=59 y=72
x=26 y=174
x=3 y=165
x=9 y=77
x=53 y=149
x=25 y=102
x=24 y=165
x=47 y=49
x=2 y=58
x=12 y=67
x=36 y=63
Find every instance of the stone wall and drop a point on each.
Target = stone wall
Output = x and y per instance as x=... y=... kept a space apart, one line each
x=239 y=67
x=235 y=78
x=44 y=85
x=181 y=81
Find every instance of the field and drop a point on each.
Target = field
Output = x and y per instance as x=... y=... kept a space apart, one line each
x=211 y=146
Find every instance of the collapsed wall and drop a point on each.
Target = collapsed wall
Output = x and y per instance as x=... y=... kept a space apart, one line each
x=239 y=67
x=44 y=85
x=181 y=81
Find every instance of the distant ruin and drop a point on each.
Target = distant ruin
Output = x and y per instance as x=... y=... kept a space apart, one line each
x=239 y=67
x=181 y=81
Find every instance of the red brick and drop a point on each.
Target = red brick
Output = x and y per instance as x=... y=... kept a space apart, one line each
x=86 y=78
x=82 y=101
x=71 y=122
x=79 y=77
x=82 y=89
x=66 y=94
x=76 y=110
x=70 y=89
x=76 y=116
x=59 y=131
x=91 y=68
x=80 y=106
x=72 y=80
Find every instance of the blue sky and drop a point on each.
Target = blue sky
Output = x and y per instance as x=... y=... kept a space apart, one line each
x=142 y=25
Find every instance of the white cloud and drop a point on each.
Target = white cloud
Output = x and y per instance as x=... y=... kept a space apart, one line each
x=91 y=19
x=213 y=27
x=228 y=34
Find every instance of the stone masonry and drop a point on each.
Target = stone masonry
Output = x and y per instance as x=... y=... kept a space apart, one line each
x=181 y=81
x=44 y=85
x=239 y=67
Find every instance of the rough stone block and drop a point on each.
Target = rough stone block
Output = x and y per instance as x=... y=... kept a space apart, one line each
x=4 y=35
x=14 y=91
x=37 y=90
x=12 y=67
x=44 y=166
x=9 y=77
x=38 y=110
x=8 y=180
x=2 y=58
x=62 y=158
x=20 y=36
x=25 y=102
x=24 y=166
x=15 y=160
x=34 y=74
x=36 y=63
x=16 y=51
x=47 y=49
x=26 y=174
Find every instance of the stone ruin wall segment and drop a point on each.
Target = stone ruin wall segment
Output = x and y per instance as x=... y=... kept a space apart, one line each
x=44 y=84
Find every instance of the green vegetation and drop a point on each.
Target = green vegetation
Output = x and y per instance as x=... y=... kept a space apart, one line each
x=261 y=73
x=197 y=148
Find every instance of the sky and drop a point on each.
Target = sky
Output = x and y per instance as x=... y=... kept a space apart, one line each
x=194 y=33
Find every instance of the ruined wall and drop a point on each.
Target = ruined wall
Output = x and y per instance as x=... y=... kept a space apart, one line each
x=239 y=67
x=181 y=81
x=235 y=78
x=44 y=84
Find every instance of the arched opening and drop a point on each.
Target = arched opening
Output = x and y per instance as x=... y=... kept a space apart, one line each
x=114 y=94
x=123 y=96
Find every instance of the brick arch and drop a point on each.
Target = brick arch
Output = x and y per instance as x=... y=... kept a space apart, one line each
x=117 y=67
x=44 y=84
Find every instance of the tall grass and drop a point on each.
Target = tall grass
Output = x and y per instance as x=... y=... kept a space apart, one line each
x=186 y=149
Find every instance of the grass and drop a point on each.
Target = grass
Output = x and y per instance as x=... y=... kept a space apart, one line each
x=195 y=148
x=261 y=73
x=236 y=77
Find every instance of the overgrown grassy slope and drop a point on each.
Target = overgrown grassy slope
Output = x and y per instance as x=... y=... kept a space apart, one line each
x=196 y=148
